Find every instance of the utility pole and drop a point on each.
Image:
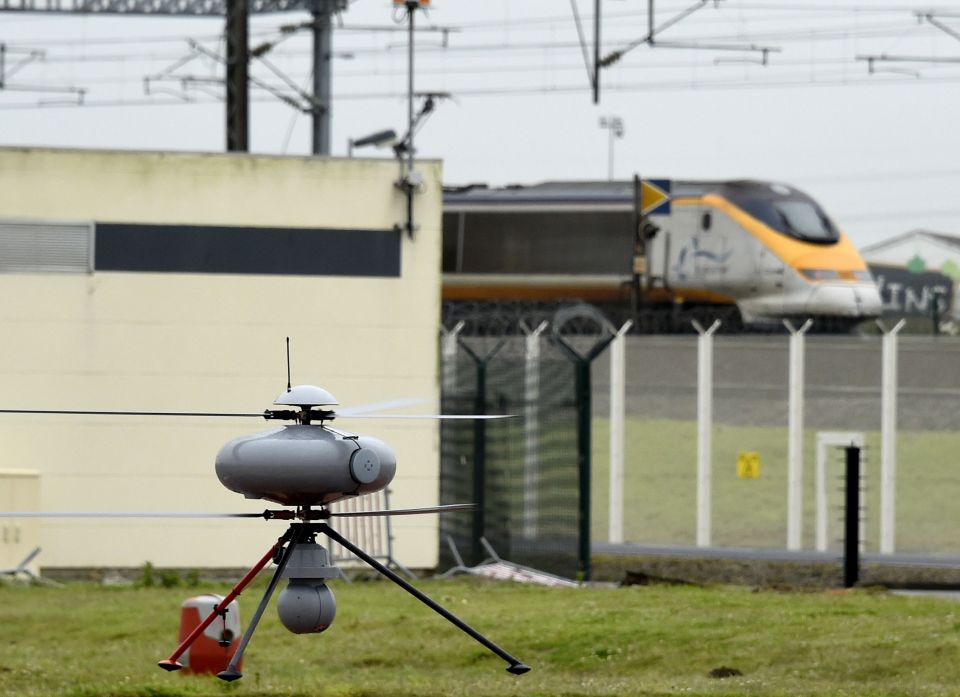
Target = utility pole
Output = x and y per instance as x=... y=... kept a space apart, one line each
x=238 y=51
x=596 y=51
x=323 y=11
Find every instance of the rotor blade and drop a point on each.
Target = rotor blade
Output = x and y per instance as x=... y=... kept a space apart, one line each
x=442 y=417
x=128 y=514
x=79 y=412
x=380 y=406
x=408 y=511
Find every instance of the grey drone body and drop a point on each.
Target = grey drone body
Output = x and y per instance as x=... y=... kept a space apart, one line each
x=305 y=464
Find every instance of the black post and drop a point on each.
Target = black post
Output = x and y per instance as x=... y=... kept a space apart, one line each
x=238 y=101
x=584 y=414
x=480 y=448
x=596 y=52
x=581 y=366
x=936 y=312
x=322 y=12
x=639 y=263
x=851 y=519
x=479 y=463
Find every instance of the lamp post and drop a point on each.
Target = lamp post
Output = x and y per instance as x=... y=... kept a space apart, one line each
x=614 y=126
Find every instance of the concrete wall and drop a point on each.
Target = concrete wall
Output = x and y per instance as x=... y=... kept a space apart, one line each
x=205 y=342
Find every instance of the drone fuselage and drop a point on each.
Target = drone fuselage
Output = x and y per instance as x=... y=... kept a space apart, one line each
x=305 y=465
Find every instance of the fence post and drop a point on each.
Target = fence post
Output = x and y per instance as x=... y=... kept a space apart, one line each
x=851 y=519
x=795 y=436
x=617 y=418
x=531 y=428
x=480 y=447
x=581 y=364
x=888 y=438
x=704 y=430
x=448 y=354
x=825 y=440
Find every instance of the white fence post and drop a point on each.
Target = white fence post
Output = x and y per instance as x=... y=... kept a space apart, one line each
x=704 y=429
x=448 y=358
x=795 y=436
x=617 y=417
x=888 y=439
x=531 y=429
x=826 y=440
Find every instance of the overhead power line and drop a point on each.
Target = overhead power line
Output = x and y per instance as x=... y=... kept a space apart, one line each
x=784 y=82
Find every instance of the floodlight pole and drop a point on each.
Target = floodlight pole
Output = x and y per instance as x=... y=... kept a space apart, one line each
x=412 y=6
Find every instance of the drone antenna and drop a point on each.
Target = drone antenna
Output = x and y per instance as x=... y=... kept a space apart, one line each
x=288 y=364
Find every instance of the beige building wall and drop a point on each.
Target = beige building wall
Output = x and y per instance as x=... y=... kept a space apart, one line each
x=206 y=342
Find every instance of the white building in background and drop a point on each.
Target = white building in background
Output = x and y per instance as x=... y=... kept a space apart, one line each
x=168 y=282
x=912 y=268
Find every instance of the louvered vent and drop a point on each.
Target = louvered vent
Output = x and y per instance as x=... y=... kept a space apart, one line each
x=45 y=247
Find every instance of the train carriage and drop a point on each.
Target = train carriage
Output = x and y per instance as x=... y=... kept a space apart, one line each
x=749 y=252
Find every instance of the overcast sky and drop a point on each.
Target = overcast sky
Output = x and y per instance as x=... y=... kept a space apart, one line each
x=881 y=151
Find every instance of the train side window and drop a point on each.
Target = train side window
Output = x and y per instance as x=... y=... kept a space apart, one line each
x=706 y=221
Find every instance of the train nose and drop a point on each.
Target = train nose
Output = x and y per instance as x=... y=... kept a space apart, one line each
x=860 y=300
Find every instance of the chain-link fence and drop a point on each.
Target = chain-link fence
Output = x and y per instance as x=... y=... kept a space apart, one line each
x=522 y=471
x=749 y=441
x=530 y=474
x=745 y=449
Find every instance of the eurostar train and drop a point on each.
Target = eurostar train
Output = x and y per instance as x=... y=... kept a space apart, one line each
x=751 y=253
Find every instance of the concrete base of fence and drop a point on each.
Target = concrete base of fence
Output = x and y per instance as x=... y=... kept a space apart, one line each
x=772 y=573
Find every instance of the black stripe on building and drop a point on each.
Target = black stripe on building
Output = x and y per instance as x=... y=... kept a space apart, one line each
x=246 y=250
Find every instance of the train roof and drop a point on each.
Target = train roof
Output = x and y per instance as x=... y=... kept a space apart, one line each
x=580 y=193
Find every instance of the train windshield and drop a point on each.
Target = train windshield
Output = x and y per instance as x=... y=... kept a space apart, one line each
x=786 y=210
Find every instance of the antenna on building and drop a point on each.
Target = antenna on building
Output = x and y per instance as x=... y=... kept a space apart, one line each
x=410 y=180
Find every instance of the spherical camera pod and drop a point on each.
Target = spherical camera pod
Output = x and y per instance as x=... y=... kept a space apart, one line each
x=306 y=606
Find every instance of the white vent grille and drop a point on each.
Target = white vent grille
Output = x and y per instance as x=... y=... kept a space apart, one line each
x=45 y=247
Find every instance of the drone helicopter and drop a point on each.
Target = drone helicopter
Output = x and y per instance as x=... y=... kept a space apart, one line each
x=304 y=466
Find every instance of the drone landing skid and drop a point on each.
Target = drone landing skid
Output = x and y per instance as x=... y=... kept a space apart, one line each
x=172 y=663
x=301 y=532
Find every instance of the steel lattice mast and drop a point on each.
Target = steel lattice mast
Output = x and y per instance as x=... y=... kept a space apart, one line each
x=236 y=13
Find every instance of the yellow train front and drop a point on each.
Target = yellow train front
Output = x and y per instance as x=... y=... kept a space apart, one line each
x=750 y=253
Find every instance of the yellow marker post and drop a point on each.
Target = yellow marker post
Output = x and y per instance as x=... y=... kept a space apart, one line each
x=748 y=465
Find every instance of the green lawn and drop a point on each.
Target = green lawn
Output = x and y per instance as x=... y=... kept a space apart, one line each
x=93 y=641
x=660 y=492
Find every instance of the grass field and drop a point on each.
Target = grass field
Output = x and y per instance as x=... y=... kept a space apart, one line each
x=660 y=495
x=90 y=641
